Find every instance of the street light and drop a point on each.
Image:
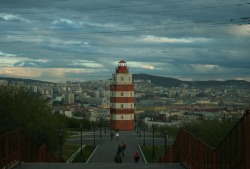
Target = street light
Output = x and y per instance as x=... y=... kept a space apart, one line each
x=137 y=125
x=165 y=133
x=94 y=128
x=105 y=123
x=153 y=153
x=100 y=128
x=60 y=141
x=81 y=126
x=139 y=132
x=144 y=143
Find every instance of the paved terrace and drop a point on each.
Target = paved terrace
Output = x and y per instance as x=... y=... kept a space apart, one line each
x=103 y=157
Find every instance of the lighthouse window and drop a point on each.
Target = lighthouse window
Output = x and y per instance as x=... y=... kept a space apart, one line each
x=121 y=93
x=121 y=78
x=121 y=105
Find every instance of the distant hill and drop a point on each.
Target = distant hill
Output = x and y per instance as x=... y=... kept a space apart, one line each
x=172 y=82
x=212 y=83
x=160 y=81
x=10 y=79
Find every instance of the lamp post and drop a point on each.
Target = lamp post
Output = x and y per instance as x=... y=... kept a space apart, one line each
x=60 y=141
x=139 y=132
x=137 y=127
x=94 y=128
x=144 y=143
x=100 y=128
x=165 y=133
x=81 y=126
x=135 y=123
x=153 y=153
x=105 y=123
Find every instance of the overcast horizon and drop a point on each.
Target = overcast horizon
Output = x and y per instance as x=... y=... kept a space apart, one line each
x=69 y=40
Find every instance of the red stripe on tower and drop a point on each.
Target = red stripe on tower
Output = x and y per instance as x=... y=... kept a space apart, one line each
x=122 y=99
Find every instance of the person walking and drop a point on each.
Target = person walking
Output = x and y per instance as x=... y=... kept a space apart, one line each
x=119 y=150
x=117 y=135
x=136 y=157
x=111 y=135
x=118 y=157
x=123 y=147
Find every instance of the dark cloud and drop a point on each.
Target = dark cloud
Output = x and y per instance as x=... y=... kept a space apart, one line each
x=86 y=39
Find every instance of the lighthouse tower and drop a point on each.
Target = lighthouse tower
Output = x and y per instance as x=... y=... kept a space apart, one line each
x=122 y=99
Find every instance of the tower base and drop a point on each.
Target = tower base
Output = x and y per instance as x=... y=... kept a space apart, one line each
x=122 y=125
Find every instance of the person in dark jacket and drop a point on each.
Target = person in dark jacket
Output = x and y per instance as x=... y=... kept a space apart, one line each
x=136 y=157
x=118 y=159
x=123 y=147
x=111 y=135
x=119 y=150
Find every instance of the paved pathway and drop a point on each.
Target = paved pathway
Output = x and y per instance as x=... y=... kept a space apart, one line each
x=107 y=148
x=103 y=157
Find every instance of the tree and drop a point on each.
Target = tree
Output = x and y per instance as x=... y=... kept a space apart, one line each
x=21 y=108
x=211 y=132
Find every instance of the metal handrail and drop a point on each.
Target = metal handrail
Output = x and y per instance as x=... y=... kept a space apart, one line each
x=15 y=147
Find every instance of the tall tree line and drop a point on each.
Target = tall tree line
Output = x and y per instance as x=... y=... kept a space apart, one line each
x=20 y=107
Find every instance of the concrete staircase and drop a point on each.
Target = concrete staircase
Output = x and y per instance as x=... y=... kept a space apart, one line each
x=98 y=166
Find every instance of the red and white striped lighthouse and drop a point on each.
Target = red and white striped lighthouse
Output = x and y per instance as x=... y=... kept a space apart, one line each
x=122 y=99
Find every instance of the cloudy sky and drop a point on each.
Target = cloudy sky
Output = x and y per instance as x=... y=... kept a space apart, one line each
x=72 y=40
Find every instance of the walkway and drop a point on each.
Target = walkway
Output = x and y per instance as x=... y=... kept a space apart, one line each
x=107 y=149
x=104 y=155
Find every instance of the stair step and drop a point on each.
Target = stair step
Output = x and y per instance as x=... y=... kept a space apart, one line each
x=99 y=166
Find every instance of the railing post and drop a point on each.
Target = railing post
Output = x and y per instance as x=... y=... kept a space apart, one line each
x=171 y=154
x=189 y=150
x=41 y=153
x=28 y=149
x=247 y=140
x=161 y=159
x=20 y=145
x=181 y=147
x=6 y=146
x=214 y=159
x=200 y=155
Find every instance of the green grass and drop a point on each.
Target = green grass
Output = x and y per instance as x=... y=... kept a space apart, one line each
x=69 y=149
x=148 y=153
x=87 y=151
